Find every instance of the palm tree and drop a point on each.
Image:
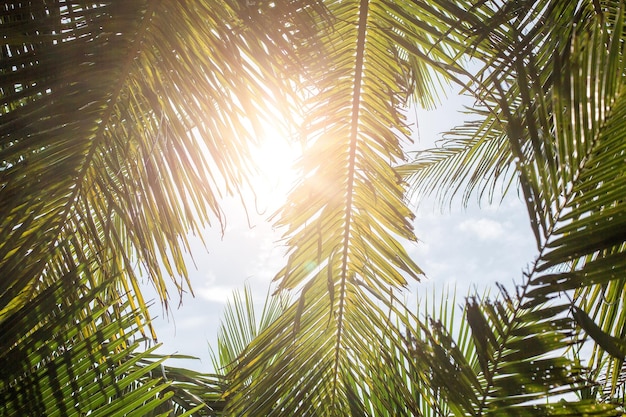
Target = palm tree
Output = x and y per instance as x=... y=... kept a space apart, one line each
x=549 y=123
x=345 y=220
x=118 y=187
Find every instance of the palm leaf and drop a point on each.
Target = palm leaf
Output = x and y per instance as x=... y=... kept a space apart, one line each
x=399 y=384
x=189 y=392
x=64 y=358
x=555 y=100
x=566 y=136
x=345 y=220
x=512 y=365
x=472 y=158
x=122 y=123
x=478 y=156
x=121 y=126
x=241 y=324
x=589 y=230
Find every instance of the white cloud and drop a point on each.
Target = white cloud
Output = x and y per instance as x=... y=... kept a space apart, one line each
x=483 y=229
x=270 y=258
x=215 y=293
x=191 y=323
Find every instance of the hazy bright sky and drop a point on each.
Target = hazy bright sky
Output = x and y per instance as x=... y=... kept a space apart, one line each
x=467 y=248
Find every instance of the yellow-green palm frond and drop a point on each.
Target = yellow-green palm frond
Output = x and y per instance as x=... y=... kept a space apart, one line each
x=61 y=358
x=122 y=123
x=584 y=185
x=476 y=157
x=344 y=222
x=553 y=102
x=241 y=324
x=400 y=383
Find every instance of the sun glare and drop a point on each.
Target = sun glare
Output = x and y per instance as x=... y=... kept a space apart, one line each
x=275 y=158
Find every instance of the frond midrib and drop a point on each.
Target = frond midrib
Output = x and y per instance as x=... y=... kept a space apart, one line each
x=354 y=131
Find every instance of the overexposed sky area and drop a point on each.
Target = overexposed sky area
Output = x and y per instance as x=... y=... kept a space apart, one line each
x=464 y=248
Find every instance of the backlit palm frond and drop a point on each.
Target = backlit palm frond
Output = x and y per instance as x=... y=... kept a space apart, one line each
x=399 y=383
x=61 y=358
x=588 y=232
x=241 y=324
x=514 y=364
x=189 y=392
x=345 y=220
x=560 y=123
x=121 y=125
x=506 y=358
x=471 y=158
x=527 y=36
x=561 y=112
x=565 y=130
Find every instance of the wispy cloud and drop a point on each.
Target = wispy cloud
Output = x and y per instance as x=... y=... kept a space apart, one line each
x=215 y=293
x=483 y=228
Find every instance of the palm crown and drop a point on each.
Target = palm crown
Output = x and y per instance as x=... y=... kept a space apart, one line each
x=123 y=123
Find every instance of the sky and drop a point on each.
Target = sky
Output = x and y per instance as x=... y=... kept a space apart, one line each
x=467 y=249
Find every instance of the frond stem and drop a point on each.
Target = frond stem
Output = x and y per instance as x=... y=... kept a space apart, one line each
x=354 y=130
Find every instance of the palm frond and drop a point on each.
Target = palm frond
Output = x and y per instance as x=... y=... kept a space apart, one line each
x=478 y=157
x=472 y=158
x=241 y=324
x=122 y=123
x=514 y=363
x=588 y=233
x=345 y=220
x=61 y=358
x=399 y=385
x=189 y=392
x=565 y=135
x=558 y=99
x=552 y=91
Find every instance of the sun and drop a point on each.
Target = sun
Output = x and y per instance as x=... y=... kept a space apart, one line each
x=275 y=157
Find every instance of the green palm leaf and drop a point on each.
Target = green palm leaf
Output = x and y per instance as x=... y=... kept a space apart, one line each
x=399 y=383
x=588 y=231
x=345 y=220
x=189 y=392
x=478 y=155
x=122 y=123
x=63 y=358
x=512 y=365
x=241 y=324
x=121 y=126
x=555 y=101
